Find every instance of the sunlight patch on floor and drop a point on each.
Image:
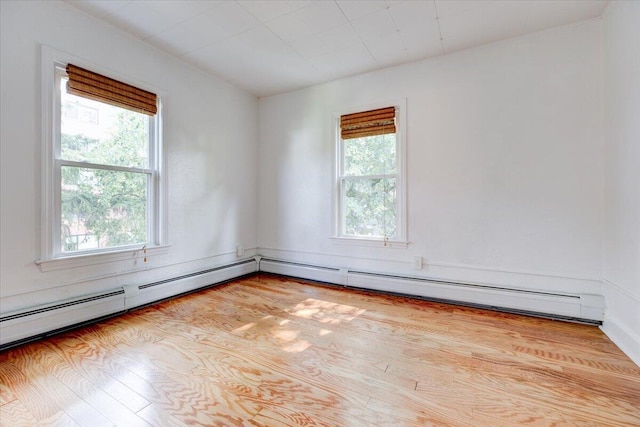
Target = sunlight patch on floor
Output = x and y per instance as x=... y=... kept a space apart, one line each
x=284 y=331
x=325 y=311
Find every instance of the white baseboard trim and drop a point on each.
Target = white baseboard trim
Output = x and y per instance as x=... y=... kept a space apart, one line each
x=303 y=271
x=401 y=264
x=40 y=320
x=622 y=319
x=36 y=322
x=137 y=295
x=626 y=339
x=577 y=307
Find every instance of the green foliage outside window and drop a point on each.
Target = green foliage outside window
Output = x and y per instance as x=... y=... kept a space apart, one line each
x=369 y=186
x=101 y=207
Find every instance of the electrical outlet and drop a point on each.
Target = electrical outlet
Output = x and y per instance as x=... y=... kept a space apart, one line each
x=417 y=262
x=239 y=250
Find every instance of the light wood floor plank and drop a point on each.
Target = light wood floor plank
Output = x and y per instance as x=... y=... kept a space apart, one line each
x=14 y=413
x=89 y=363
x=88 y=359
x=157 y=417
x=55 y=390
x=28 y=394
x=97 y=398
x=272 y=351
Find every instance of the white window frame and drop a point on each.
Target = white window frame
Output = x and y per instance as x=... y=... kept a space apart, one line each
x=51 y=258
x=400 y=242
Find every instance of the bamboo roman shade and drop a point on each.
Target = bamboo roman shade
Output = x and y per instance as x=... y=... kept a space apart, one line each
x=104 y=89
x=368 y=123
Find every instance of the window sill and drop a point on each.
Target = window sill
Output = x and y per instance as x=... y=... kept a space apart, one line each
x=370 y=242
x=83 y=260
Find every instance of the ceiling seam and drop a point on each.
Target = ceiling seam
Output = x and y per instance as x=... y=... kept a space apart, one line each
x=293 y=49
x=357 y=33
x=444 y=52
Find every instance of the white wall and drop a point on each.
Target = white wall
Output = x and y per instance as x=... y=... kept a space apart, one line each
x=210 y=134
x=505 y=177
x=622 y=175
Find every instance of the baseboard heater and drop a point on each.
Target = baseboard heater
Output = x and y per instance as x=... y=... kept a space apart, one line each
x=37 y=322
x=582 y=308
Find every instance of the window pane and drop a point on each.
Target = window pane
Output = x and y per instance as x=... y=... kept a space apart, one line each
x=95 y=132
x=371 y=155
x=370 y=207
x=102 y=208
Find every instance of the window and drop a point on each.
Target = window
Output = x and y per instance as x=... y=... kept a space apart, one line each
x=370 y=190
x=102 y=177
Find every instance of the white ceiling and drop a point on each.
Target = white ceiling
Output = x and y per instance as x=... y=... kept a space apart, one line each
x=269 y=46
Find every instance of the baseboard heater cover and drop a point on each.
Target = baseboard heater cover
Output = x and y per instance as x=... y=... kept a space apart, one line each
x=568 y=307
x=199 y=273
x=38 y=322
x=139 y=295
x=303 y=271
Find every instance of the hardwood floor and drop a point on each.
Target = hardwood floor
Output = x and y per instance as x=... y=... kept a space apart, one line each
x=272 y=351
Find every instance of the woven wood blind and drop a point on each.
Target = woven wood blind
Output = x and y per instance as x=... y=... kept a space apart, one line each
x=104 y=89
x=368 y=123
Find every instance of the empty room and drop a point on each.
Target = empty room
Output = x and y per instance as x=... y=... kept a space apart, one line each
x=320 y=213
